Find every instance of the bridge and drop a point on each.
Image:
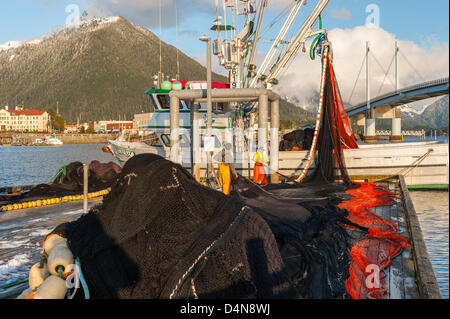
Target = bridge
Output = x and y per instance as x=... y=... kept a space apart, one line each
x=407 y=95
x=386 y=105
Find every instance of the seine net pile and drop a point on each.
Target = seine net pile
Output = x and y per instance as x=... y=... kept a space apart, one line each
x=160 y=234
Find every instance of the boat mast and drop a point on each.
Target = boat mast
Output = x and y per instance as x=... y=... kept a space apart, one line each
x=294 y=12
x=255 y=37
x=304 y=33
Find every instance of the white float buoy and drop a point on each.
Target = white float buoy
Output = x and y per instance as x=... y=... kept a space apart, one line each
x=59 y=259
x=51 y=242
x=25 y=294
x=52 y=288
x=37 y=276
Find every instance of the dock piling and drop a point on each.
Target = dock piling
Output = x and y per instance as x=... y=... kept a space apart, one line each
x=85 y=188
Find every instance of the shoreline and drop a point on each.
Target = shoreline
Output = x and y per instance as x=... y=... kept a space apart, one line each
x=67 y=139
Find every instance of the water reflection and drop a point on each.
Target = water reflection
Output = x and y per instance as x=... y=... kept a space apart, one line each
x=433 y=212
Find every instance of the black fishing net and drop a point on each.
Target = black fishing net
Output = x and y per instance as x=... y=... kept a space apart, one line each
x=70 y=182
x=160 y=234
x=329 y=161
x=297 y=140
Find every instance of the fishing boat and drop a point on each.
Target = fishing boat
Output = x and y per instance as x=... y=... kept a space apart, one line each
x=424 y=164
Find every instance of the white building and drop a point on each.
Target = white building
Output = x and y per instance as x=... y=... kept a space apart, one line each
x=20 y=120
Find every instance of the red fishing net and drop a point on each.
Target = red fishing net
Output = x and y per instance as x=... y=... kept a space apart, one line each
x=372 y=255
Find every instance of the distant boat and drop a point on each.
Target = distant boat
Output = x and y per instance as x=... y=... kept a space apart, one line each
x=52 y=140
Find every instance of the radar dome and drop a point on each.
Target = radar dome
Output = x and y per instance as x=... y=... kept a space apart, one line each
x=166 y=85
x=177 y=85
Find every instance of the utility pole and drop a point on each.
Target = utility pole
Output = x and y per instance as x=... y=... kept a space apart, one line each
x=209 y=99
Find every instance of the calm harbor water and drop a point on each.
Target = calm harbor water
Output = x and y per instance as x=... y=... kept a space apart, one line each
x=433 y=212
x=29 y=165
x=34 y=165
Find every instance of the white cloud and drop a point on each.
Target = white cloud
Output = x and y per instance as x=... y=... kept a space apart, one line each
x=302 y=78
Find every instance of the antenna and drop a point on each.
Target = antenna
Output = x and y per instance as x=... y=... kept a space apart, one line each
x=160 y=41
x=178 y=51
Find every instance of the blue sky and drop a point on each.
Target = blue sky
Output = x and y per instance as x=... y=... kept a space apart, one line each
x=423 y=22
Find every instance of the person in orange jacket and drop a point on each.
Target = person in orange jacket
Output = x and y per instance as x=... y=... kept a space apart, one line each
x=258 y=170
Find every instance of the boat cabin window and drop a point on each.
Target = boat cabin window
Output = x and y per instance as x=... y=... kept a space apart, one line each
x=184 y=141
x=164 y=102
x=218 y=107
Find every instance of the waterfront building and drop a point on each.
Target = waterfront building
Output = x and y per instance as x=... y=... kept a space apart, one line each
x=20 y=120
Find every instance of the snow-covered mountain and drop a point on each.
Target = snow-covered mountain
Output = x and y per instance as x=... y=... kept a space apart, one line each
x=58 y=30
x=434 y=115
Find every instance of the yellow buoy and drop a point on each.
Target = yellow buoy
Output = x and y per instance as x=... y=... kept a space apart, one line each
x=10 y=207
x=19 y=206
x=15 y=207
x=58 y=200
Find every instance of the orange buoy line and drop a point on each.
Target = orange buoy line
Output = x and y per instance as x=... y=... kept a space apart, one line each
x=52 y=201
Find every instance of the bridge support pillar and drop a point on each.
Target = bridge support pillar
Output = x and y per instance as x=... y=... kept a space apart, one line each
x=369 y=131
x=396 y=135
x=396 y=130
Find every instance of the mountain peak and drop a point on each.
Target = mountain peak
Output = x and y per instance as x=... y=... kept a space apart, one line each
x=63 y=29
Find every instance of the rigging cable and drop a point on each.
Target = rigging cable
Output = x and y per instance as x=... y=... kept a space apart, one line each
x=319 y=117
x=385 y=76
x=415 y=70
x=356 y=82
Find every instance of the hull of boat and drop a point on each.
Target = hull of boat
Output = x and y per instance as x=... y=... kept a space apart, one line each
x=123 y=151
x=423 y=164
